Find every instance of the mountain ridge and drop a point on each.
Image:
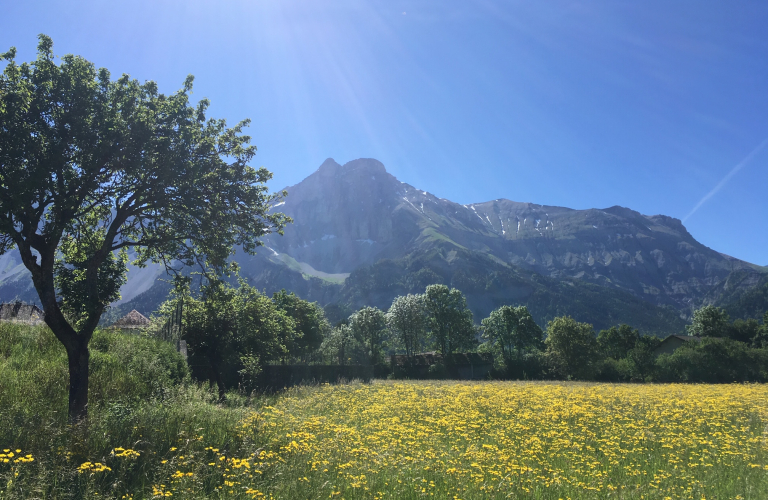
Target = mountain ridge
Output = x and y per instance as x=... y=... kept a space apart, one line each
x=354 y=220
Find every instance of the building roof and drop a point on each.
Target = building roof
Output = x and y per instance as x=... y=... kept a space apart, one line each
x=17 y=311
x=684 y=338
x=133 y=319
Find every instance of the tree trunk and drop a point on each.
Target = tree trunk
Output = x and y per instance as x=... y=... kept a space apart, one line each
x=221 y=387
x=78 y=356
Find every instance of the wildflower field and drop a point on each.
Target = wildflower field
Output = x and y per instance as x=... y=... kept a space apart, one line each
x=455 y=440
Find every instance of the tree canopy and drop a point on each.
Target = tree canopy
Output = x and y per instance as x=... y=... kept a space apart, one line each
x=407 y=320
x=91 y=166
x=709 y=321
x=448 y=318
x=572 y=347
x=512 y=330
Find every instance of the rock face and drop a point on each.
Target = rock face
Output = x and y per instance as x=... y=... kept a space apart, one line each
x=356 y=214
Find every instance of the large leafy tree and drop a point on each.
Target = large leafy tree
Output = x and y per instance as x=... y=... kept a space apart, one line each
x=512 y=330
x=571 y=347
x=342 y=346
x=709 y=321
x=617 y=341
x=311 y=325
x=449 y=319
x=407 y=320
x=369 y=325
x=234 y=329
x=91 y=166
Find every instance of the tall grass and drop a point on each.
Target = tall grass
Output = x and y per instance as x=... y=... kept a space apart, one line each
x=153 y=433
x=141 y=399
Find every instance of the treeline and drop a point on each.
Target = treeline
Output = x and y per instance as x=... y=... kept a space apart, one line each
x=233 y=332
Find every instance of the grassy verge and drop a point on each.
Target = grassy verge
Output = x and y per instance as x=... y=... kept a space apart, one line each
x=153 y=434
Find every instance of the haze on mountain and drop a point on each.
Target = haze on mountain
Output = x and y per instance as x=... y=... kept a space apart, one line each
x=362 y=237
x=656 y=106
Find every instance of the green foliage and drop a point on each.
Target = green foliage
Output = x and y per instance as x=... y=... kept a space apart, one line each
x=342 y=347
x=513 y=331
x=571 y=348
x=125 y=370
x=369 y=326
x=449 y=319
x=488 y=284
x=233 y=330
x=642 y=358
x=309 y=321
x=141 y=398
x=713 y=360
x=709 y=321
x=92 y=166
x=747 y=331
x=407 y=320
x=616 y=342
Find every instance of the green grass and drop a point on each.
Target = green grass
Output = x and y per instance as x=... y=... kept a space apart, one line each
x=154 y=432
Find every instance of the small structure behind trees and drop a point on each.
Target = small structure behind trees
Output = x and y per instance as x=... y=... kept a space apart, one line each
x=20 y=312
x=133 y=322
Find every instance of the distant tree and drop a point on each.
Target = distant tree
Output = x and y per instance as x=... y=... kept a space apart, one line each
x=310 y=323
x=747 y=331
x=571 y=347
x=338 y=313
x=234 y=327
x=449 y=320
x=341 y=346
x=512 y=330
x=369 y=325
x=91 y=166
x=761 y=340
x=407 y=320
x=642 y=356
x=616 y=342
x=709 y=321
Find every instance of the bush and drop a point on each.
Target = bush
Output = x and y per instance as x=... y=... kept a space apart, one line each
x=438 y=371
x=612 y=370
x=713 y=360
x=530 y=366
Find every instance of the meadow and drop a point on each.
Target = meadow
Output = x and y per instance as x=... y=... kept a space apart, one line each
x=153 y=433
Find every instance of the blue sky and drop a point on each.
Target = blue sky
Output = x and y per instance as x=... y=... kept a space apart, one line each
x=660 y=106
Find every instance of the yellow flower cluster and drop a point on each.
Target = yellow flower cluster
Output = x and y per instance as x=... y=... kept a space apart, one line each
x=92 y=467
x=518 y=439
x=125 y=453
x=9 y=455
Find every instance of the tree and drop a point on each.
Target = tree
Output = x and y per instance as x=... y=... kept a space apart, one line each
x=369 y=325
x=616 y=342
x=643 y=357
x=747 y=331
x=407 y=320
x=234 y=330
x=341 y=345
x=91 y=166
x=571 y=347
x=709 y=321
x=512 y=330
x=761 y=339
x=311 y=325
x=449 y=320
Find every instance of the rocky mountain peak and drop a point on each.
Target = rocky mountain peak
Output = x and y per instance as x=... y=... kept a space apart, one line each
x=359 y=167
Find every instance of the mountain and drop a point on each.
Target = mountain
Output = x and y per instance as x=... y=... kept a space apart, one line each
x=360 y=236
